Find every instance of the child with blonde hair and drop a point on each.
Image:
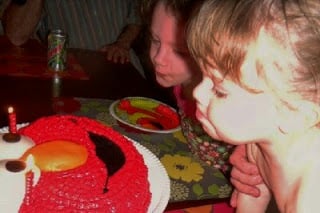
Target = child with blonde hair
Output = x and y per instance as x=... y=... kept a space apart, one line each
x=260 y=87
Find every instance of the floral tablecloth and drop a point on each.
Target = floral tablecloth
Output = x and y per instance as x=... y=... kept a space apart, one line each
x=190 y=178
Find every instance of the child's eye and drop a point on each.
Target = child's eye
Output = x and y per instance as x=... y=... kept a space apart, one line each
x=183 y=53
x=154 y=41
x=219 y=94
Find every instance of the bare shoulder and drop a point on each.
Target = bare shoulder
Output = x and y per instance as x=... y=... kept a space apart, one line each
x=309 y=187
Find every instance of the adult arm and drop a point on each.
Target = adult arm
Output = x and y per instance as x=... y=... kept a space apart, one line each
x=244 y=175
x=20 y=21
x=119 y=50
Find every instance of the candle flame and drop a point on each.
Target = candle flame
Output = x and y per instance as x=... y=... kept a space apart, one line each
x=10 y=109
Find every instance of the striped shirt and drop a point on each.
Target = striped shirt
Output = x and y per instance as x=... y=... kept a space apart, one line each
x=90 y=24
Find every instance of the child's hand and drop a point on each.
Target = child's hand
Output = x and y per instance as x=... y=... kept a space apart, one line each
x=117 y=52
x=244 y=175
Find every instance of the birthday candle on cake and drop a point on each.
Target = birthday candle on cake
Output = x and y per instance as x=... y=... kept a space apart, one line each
x=12 y=120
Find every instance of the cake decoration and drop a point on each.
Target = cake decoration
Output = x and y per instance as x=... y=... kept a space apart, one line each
x=58 y=155
x=12 y=121
x=89 y=183
x=14 y=184
x=12 y=144
x=109 y=153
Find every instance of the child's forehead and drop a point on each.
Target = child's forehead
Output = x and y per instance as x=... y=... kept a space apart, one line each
x=263 y=52
x=165 y=25
x=267 y=62
x=271 y=56
x=275 y=45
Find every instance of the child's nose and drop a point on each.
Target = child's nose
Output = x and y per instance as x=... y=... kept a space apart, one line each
x=202 y=92
x=160 y=57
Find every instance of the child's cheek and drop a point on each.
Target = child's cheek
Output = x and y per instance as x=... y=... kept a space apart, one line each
x=243 y=120
x=235 y=122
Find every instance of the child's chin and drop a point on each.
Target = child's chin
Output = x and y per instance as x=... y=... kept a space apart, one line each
x=211 y=132
x=164 y=84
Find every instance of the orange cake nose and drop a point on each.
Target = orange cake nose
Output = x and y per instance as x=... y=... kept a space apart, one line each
x=57 y=155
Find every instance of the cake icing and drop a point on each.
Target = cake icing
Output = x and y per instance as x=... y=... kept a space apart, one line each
x=87 y=181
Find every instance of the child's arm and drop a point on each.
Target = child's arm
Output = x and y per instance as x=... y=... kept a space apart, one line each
x=249 y=204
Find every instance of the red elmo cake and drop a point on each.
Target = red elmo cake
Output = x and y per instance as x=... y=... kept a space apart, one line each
x=84 y=167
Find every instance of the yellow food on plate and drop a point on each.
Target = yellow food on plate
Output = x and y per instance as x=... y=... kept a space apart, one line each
x=58 y=155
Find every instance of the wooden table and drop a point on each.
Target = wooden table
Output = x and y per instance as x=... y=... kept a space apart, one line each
x=34 y=96
x=31 y=97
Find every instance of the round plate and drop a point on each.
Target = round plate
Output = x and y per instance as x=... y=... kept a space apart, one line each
x=158 y=179
x=145 y=114
x=157 y=176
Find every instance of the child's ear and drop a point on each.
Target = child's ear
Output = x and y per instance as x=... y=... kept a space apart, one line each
x=305 y=115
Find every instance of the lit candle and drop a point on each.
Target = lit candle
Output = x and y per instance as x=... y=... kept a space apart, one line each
x=12 y=120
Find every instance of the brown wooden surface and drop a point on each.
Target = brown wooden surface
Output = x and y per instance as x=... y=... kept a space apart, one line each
x=31 y=97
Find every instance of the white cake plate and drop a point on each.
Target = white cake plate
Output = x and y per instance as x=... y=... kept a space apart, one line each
x=157 y=176
x=158 y=179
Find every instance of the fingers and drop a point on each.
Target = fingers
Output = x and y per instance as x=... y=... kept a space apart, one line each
x=244 y=187
x=239 y=160
x=116 y=53
x=119 y=57
x=234 y=198
x=245 y=176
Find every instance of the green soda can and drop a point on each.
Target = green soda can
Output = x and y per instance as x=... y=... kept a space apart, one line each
x=57 y=51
